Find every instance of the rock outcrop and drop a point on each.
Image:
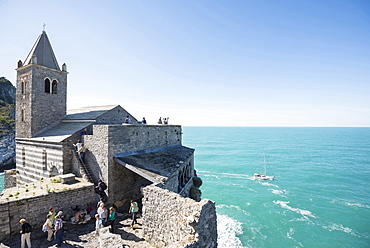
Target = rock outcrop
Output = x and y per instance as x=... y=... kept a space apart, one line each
x=7 y=150
x=7 y=127
x=7 y=91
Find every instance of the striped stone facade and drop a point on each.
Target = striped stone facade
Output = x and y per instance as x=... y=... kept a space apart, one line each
x=37 y=160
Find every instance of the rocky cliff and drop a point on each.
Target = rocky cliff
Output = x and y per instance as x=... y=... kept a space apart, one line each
x=7 y=124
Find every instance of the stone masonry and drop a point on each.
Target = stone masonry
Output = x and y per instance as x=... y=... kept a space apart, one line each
x=32 y=202
x=170 y=220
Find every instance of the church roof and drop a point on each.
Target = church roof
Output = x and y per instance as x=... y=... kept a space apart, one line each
x=155 y=164
x=61 y=131
x=76 y=120
x=43 y=52
x=88 y=113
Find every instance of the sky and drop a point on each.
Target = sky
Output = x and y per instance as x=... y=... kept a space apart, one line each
x=205 y=63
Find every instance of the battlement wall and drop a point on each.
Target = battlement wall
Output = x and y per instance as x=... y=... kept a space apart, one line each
x=170 y=220
x=126 y=138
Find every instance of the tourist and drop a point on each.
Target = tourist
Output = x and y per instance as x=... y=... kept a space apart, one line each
x=25 y=233
x=58 y=229
x=84 y=132
x=102 y=186
x=78 y=145
x=128 y=120
x=79 y=216
x=165 y=120
x=134 y=208
x=112 y=218
x=160 y=120
x=53 y=214
x=100 y=202
x=143 y=121
x=81 y=152
x=49 y=225
x=98 y=223
x=103 y=214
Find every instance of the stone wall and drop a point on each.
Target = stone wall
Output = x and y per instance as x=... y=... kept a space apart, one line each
x=170 y=220
x=108 y=140
x=37 y=160
x=97 y=151
x=127 y=138
x=125 y=184
x=35 y=208
x=10 y=178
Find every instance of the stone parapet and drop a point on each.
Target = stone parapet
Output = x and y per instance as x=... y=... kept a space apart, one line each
x=170 y=220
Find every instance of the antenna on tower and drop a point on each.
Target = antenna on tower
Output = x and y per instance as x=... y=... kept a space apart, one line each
x=43 y=27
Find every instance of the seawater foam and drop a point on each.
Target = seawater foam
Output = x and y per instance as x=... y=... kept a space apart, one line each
x=278 y=192
x=297 y=210
x=356 y=205
x=339 y=227
x=233 y=207
x=227 y=229
x=270 y=184
x=290 y=234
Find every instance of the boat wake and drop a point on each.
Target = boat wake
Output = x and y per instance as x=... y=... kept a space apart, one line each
x=304 y=213
x=279 y=192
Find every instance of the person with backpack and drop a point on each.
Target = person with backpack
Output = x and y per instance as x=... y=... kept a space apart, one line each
x=25 y=233
x=101 y=188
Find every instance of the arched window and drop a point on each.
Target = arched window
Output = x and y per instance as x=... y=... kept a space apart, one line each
x=47 y=85
x=54 y=87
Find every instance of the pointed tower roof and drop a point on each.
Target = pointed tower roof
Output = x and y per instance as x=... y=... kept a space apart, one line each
x=43 y=52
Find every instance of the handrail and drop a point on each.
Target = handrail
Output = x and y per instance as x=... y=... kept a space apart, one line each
x=82 y=165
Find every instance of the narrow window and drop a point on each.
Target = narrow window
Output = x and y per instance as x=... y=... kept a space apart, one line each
x=44 y=159
x=23 y=156
x=47 y=85
x=54 y=87
x=23 y=88
x=23 y=115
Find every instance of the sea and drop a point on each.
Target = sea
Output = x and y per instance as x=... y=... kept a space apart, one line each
x=320 y=196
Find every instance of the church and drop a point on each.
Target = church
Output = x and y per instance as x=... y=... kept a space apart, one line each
x=125 y=156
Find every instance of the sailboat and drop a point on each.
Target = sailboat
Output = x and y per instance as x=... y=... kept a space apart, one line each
x=263 y=176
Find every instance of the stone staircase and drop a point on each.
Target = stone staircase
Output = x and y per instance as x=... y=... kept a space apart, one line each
x=84 y=168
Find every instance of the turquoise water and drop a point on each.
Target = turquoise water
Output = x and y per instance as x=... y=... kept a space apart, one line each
x=1 y=181
x=321 y=195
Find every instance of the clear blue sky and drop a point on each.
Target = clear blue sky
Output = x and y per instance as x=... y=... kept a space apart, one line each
x=223 y=63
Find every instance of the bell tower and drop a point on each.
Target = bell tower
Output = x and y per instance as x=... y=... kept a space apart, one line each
x=41 y=97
